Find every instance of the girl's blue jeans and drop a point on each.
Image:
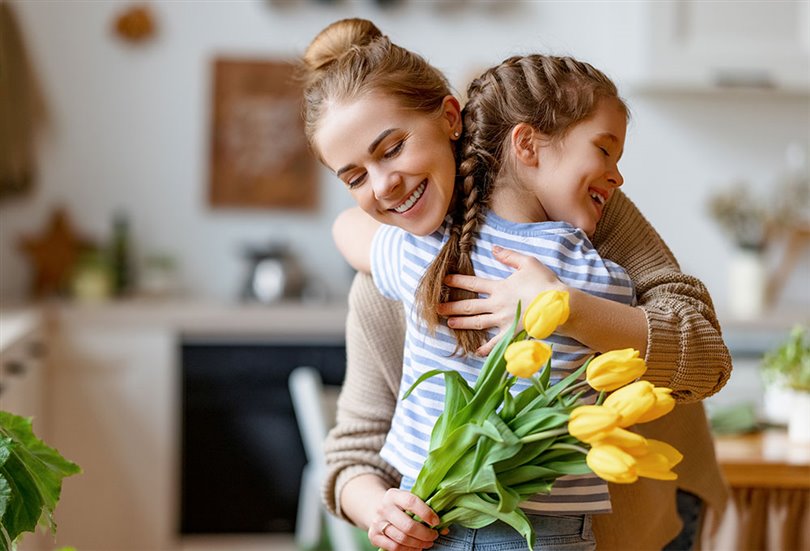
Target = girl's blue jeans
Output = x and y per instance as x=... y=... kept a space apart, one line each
x=551 y=533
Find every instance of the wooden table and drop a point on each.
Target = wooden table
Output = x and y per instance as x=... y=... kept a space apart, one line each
x=769 y=478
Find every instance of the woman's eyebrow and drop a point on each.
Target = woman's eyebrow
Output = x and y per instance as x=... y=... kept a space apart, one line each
x=372 y=146
x=380 y=138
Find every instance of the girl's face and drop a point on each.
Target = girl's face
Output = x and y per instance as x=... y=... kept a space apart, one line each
x=578 y=174
x=397 y=163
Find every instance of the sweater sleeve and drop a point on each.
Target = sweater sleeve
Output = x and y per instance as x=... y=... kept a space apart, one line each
x=685 y=348
x=375 y=331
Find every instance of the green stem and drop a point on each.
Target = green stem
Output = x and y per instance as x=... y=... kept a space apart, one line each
x=537 y=385
x=543 y=435
x=573 y=387
x=601 y=398
x=574 y=447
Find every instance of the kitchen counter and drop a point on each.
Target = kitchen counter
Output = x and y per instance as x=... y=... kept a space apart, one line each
x=16 y=324
x=206 y=319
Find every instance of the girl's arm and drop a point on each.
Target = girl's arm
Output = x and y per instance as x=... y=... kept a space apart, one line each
x=673 y=324
x=685 y=348
x=353 y=231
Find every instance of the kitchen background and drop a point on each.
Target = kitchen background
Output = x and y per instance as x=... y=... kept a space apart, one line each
x=129 y=124
x=720 y=132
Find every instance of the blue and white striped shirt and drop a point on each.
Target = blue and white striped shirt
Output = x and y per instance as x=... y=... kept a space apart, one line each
x=398 y=261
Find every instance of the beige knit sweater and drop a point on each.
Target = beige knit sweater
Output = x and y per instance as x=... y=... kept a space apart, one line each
x=685 y=352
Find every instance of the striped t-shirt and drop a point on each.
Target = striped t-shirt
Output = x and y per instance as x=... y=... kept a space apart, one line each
x=398 y=261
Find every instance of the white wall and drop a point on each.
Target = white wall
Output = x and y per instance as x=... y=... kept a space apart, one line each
x=130 y=125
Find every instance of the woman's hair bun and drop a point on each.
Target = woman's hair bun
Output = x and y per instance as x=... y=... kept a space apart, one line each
x=337 y=39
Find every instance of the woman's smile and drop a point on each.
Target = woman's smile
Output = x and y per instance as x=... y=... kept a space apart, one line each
x=412 y=199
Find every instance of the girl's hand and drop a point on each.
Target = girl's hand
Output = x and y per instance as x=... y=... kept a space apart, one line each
x=498 y=309
x=393 y=529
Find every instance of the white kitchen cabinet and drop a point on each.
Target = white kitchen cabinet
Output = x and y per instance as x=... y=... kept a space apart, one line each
x=749 y=45
x=112 y=388
x=22 y=386
x=113 y=397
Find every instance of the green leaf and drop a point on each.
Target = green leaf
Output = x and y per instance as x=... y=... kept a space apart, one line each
x=538 y=420
x=469 y=504
x=545 y=375
x=440 y=460
x=527 y=455
x=33 y=472
x=490 y=375
x=526 y=473
x=539 y=486
x=423 y=378
x=508 y=410
x=457 y=395
x=560 y=386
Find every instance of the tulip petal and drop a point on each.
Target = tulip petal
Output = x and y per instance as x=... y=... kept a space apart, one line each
x=615 y=369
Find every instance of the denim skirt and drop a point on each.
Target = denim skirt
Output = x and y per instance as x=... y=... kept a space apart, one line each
x=551 y=533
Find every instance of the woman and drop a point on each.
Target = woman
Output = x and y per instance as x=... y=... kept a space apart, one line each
x=673 y=308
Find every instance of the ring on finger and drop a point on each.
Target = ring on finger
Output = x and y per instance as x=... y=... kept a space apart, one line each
x=385 y=527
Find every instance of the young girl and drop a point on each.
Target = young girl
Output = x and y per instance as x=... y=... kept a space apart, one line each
x=400 y=174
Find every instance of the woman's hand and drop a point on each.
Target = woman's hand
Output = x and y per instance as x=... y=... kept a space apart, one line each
x=393 y=529
x=498 y=309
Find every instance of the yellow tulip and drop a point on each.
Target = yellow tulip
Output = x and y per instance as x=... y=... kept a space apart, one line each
x=524 y=358
x=657 y=463
x=631 y=401
x=664 y=403
x=590 y=423
x=615 y=369
x=546 y=312
x=612 y=464
x=634 y=444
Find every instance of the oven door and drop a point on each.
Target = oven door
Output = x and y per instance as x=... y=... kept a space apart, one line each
x=241 y=452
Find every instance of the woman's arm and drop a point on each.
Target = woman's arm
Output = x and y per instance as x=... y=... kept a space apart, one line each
x=359 y=485
x=685 y=348
x=375 y=332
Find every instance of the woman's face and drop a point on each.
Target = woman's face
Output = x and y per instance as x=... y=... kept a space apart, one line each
x=397 y=163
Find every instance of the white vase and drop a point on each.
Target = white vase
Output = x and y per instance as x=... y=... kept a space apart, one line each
x=799 y=422
x=776 y=403
x=747 y=279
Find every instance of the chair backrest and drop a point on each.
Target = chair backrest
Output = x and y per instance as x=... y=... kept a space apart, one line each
x=314 y=410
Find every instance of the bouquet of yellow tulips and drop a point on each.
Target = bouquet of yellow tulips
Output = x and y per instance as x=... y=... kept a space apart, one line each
x=491 y=450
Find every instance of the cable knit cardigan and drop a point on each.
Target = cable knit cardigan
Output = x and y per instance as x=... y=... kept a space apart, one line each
x=685 y=352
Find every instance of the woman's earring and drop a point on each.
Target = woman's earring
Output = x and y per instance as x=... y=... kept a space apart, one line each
x=456 y=134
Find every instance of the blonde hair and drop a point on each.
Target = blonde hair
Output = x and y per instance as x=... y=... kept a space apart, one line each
x=351 y=58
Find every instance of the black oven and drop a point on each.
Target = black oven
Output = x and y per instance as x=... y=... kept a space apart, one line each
x=241 y=454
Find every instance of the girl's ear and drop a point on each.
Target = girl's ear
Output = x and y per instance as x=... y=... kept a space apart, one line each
x=451 y=115
x=524 y=144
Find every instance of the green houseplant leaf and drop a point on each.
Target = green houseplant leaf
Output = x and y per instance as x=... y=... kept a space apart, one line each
x=31 y=476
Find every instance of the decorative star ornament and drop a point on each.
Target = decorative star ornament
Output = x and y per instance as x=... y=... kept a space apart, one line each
x=52 y=255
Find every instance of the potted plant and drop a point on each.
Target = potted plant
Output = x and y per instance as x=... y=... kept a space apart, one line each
x=788 y=366
x=745 y=219
x=31 y=476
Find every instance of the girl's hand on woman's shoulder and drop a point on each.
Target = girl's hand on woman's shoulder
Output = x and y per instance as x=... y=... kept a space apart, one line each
x=393 y=529
x=497 y=308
